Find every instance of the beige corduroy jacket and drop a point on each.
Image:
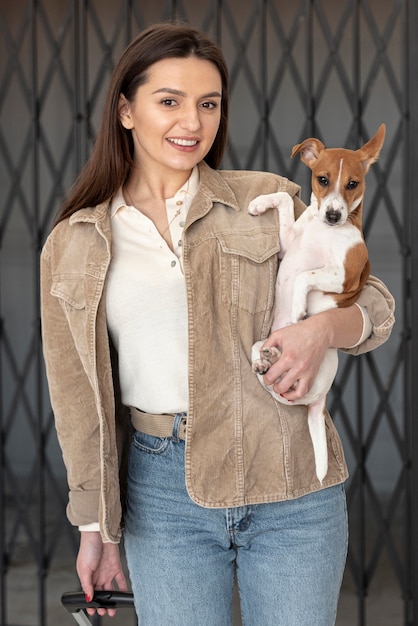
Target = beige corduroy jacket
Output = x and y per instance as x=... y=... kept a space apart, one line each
x=241 y=447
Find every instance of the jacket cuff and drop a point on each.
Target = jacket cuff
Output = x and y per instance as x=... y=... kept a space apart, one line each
x=83 y=507
x=367 y=326
x=380 y=306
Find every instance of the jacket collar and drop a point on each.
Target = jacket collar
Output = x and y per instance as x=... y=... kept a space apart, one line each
x=91 y=214
x=215 y=188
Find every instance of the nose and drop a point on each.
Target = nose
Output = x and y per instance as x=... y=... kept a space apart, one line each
x=332 y=216
x=190 y=119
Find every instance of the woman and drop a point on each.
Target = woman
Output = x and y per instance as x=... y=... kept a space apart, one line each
x=155 y=284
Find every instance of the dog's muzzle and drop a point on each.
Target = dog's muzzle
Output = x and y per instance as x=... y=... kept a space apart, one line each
x=333 y=217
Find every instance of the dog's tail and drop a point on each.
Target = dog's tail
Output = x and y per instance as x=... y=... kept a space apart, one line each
x=317 y=430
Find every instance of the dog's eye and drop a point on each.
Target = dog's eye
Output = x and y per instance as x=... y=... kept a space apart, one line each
x=323 y=181
x=352 y=184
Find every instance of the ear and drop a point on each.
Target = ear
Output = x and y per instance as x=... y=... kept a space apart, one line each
x=124 y=111
x=310 y=149
x=369 y=153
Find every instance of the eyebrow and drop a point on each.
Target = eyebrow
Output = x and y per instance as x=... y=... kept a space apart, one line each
x=177 y=92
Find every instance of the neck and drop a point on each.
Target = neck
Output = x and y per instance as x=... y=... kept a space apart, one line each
x=143 y=186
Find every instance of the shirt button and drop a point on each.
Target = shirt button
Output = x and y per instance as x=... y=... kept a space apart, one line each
x=179 y=243
x=173 y=263
x=179 y=202
x=181 y=224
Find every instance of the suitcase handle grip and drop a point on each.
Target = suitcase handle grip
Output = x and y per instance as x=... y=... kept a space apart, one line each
x=74 y=601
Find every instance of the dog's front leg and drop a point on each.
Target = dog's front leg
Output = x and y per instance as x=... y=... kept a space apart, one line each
x=287 y=221
x=283 y=202
x=328 y=279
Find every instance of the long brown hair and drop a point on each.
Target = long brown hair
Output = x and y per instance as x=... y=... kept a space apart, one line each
x=112 y=155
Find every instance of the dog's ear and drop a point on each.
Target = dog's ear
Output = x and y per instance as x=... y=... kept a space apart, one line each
x=309 y=149
x=369 y=153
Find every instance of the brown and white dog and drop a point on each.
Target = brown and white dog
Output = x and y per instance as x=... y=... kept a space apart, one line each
x=324 y=260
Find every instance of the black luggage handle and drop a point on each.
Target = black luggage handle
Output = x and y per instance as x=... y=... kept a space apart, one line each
x=75 y=600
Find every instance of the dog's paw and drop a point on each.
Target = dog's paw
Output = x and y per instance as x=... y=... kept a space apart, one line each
x=260 y=366
x=270 y=354
x=262 y=203
x=259 y=205
x=263 y=358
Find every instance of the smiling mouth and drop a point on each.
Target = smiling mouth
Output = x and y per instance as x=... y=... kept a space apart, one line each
x=183 y=142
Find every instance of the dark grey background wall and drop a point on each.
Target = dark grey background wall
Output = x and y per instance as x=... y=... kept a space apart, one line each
x=334 y=70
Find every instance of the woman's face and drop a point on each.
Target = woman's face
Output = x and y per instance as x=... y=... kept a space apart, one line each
x=175 y=115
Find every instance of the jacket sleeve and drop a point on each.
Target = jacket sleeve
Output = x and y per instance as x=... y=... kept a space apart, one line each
x=380 y=305
x=73 y=404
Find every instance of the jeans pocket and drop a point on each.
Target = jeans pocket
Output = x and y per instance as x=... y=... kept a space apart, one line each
x=149 y=443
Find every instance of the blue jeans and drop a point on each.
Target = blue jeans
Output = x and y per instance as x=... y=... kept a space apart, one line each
x=288 y=557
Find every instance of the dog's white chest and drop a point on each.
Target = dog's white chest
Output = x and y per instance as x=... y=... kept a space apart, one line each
x=315 y=244
x=313 y=265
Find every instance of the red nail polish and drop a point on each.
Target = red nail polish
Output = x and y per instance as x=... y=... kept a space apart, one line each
x=88 y=599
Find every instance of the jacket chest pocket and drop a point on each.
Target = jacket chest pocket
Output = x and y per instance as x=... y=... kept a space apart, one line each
x=249 y=264
x=70 y=292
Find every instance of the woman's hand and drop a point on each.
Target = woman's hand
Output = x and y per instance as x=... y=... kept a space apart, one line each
x=303 y=347
x=99 y=567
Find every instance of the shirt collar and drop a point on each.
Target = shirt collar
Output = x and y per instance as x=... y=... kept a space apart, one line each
x=117 y=202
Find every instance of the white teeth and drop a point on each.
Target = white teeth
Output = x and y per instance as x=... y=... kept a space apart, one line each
x=184 y=142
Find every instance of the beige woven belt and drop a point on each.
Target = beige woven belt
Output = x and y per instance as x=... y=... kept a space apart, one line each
x=156 y=425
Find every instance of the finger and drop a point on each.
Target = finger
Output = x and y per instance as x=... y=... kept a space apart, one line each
x=88 y=589
x=272 y=378
x=102 y=612
x=120 y=581
x=298 y=390
x=283 y=383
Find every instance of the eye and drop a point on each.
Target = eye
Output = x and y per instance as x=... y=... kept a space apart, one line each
x=169 y=102
x=209 y=105
x=323 y=181
x=352 y=184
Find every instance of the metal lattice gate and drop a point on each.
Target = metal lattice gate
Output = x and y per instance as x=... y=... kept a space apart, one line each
x=325 y=68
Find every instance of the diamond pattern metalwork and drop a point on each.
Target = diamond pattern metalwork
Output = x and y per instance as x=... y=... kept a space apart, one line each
x=311 y=67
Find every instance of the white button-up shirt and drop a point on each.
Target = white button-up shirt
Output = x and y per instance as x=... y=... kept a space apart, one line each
x=146 y=304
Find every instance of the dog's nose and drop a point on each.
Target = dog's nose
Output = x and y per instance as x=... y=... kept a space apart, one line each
x=332 y=216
